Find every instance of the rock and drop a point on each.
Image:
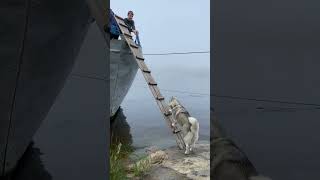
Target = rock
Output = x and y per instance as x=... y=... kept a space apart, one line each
x=173 y=164
x=151 y=149
x=194 y=166
x=163 y=173
x=153 y=158
x=158 y=157
x=176 y=165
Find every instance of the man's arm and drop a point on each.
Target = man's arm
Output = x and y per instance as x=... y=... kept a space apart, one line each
x=134 y=28
x=133 y=25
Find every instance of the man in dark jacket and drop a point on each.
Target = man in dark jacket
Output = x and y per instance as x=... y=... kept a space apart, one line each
x=130 y=23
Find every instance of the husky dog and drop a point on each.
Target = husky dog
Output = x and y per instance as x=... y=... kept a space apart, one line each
x=189 y=125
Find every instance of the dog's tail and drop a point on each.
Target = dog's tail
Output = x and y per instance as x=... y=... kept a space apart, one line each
x=194 y=124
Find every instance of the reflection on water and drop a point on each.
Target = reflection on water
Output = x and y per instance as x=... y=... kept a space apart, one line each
x=30 y=166
x=120 y=129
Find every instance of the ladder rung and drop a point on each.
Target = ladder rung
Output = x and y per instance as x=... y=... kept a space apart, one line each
x=119 y=17
x=152 y=83
x=134 y=45
x=167 y=113
x=127 y=34
x=123 y=24
x=157 y=92
x=176 y=131
x=146 y=70
x=144 y=67
x=140 y=58
x=160 y=98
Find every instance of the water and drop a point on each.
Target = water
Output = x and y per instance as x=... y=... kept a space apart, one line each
x=187 y=78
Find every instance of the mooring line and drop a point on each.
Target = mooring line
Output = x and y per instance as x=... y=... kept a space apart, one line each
x=27 y=13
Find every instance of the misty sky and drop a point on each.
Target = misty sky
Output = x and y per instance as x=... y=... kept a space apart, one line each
x=166 y=26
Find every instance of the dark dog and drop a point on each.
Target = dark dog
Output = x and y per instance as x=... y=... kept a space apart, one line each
x=228 y=162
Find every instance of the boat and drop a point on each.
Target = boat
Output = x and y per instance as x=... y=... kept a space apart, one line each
x=123 y=69
x=39 y=45
x=38 y=49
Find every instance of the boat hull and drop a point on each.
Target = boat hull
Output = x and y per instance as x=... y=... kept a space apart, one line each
x=123 y=70
x=38 y=47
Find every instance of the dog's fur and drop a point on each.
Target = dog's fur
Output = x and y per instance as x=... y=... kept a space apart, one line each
x=189 y=125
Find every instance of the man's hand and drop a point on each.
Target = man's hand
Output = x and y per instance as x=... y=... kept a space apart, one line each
x=135 y=32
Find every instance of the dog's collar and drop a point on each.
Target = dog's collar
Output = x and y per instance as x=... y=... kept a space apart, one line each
x=176 y=106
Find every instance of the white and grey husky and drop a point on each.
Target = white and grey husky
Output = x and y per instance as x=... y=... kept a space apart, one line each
x=189 y=125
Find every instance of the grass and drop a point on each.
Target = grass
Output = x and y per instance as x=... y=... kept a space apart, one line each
x=118 y=171
x=141 y=167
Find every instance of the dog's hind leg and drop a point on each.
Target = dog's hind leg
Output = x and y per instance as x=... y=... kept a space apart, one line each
x=188 y=141
x=192 y=146
x=187 y=149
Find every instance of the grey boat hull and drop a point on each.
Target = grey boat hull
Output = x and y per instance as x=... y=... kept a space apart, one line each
x=123 y=70
x=39 y=43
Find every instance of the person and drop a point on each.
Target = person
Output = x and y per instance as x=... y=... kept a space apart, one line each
x=114 y=28
x=130 y=23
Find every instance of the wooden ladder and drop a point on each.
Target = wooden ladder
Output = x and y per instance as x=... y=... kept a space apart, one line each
x=153 y=86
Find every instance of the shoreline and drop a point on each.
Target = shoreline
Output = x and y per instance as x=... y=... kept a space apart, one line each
x=172 y=163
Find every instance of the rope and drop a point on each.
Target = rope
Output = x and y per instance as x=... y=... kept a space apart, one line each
x=176 y=53
x=27 y=13
x=266 y=100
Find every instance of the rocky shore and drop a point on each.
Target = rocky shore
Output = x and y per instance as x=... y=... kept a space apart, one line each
x=173 y=164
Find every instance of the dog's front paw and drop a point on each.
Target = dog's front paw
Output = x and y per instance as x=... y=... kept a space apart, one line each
x=187 y=151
